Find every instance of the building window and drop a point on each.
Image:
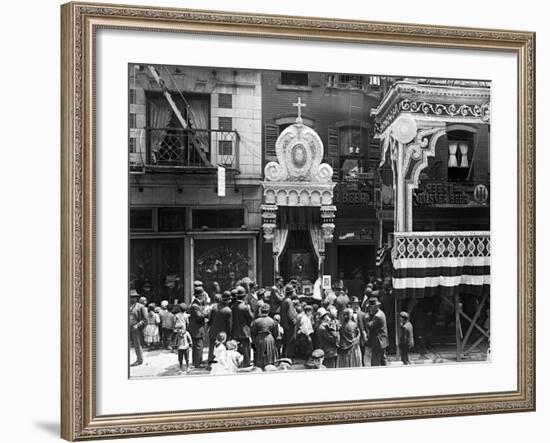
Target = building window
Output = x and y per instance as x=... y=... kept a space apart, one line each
x=294 y=79
x=133 y=145
x=168 y=143
x=132 y=120
x=132 y=96
x=459 y=156
x=225 y=123
x=141 y=220
x=352 y=141
x=351 y=81
x=225 y=147
x=223 y=260
x=171 y=219
x=374 y=80
x=218 y=218
x=225 y=101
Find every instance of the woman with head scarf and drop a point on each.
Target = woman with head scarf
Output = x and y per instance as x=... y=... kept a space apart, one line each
x=349 y=353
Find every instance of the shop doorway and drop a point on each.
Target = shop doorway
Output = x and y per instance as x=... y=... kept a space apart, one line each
x=354 y=258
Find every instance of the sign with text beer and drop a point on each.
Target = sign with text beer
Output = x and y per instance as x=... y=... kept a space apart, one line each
x=452 y=194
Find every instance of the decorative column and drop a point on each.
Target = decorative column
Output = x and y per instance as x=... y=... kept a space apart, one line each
x=269 y=221
x=412 y=147
x=327 y=225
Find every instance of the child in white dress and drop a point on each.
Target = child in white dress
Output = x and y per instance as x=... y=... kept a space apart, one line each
x=219 y=364
x=232 y=357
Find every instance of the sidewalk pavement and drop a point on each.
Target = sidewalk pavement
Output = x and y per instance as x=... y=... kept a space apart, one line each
x=164 y=363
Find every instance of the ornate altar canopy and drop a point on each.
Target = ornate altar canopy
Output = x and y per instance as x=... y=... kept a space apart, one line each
x=298 y=179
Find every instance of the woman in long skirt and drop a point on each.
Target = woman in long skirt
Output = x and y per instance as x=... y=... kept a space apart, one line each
x=349 y=352
x=151 y=333
x=263 y=331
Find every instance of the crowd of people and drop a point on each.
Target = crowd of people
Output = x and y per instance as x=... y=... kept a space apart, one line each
x=248 y=328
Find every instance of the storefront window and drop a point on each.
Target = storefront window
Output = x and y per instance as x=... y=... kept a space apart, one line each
x=222 y=260
x=171 y=219
x=218 y=218
x=156 y=269
x=141 y=220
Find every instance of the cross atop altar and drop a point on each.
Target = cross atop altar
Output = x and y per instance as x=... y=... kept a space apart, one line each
x=299 y=105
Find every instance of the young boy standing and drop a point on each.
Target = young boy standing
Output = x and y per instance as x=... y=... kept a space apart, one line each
x=406 y=338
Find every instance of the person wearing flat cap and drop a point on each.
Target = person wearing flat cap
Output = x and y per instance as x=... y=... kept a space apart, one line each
x=197 y=322
x=137 y=321
x=263 y=331
x=406 y=337
x=317 y=357
x=289 y=319
x=242 y=317
x=377 y=332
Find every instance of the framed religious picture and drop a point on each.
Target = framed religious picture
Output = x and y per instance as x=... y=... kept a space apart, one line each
x=215 y=165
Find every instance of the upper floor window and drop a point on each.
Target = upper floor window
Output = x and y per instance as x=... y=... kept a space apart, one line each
x=459 y=160
x=294 y=79
x=225 y=101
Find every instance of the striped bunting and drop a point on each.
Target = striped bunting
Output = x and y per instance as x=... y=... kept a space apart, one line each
x=430 y=264
x=381 y=255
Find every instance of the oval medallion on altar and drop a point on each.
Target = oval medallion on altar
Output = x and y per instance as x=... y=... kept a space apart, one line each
x=299 y=155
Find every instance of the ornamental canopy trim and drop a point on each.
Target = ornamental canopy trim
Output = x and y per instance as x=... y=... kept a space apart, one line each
x=450 y=101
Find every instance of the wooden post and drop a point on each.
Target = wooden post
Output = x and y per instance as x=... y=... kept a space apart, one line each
x=457 y=328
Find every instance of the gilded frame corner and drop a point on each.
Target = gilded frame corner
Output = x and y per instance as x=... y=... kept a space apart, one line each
x=79 y=21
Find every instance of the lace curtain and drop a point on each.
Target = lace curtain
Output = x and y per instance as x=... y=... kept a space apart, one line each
x=279 y=243
x=316 y=233
x=159 y=116
x=200 y=113
x=463 y=155
x=453 y=161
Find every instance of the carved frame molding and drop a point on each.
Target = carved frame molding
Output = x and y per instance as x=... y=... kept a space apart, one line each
x=80 y=21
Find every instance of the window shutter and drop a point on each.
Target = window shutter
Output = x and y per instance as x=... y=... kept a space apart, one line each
x=271 y=134
x=333 y=143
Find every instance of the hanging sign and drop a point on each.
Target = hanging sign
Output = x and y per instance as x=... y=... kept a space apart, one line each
x=221 y=181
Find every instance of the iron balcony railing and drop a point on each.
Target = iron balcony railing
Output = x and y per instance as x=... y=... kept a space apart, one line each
x=186 y=148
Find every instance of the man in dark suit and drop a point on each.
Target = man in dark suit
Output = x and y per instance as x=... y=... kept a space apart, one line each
x=221 y=320
x=377 y=333
x=242 y=317
x=289 y=319
x=406 y=338
x=276 y=297
x=137 y=320
x=197 y=321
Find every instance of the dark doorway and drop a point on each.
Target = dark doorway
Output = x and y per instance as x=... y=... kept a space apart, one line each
x=353 y=258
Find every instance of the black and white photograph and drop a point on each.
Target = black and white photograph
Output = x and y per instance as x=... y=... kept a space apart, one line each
x=290 y=220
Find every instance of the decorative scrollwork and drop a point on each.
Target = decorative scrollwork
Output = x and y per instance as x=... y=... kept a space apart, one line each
x=324 y=173
x=273 y=171
x=451 y=109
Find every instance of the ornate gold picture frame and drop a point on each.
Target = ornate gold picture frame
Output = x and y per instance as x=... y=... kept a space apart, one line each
x=80 y=22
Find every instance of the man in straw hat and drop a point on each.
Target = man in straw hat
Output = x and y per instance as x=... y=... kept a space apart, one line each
x=377 y=332
x=138 y=319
